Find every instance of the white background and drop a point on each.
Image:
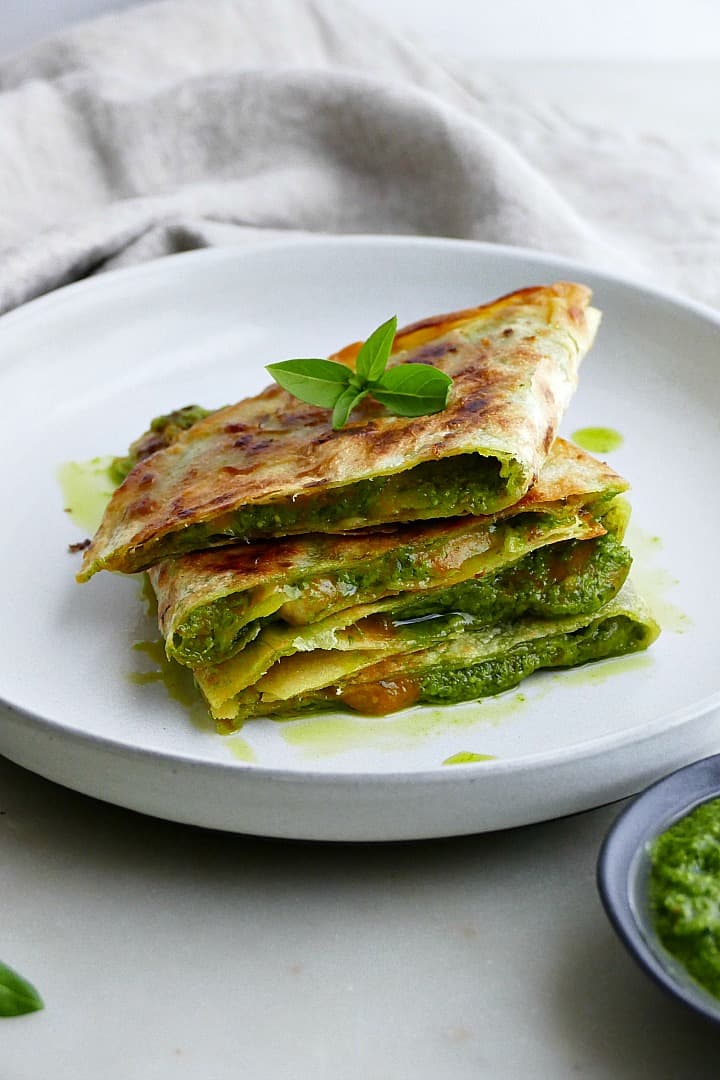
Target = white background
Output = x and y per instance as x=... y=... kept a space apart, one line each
x=652 y=66
x=565 y=29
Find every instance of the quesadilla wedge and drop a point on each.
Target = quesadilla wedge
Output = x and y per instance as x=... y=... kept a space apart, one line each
x=273 y=466
x=575 y=577
x=467 y=664
x=211 y=604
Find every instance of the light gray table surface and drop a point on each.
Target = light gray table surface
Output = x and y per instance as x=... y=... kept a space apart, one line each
x=164 y=951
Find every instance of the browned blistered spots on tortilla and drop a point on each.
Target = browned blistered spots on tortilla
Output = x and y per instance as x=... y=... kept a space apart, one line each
x=144 y=506
x=148 y=445
x=357 y=429
x=435 y=322
x=494 y=408
x=472 y=408
x=244 y=559
x=535 y=296
x=318 y=440
x=569 y=475
x=427 y=353
x=549 y=436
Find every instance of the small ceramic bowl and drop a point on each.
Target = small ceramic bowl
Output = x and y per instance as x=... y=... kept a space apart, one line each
x=624 y=869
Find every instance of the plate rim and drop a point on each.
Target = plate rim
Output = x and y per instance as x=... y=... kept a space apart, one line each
x=594 y=747
x=104 y=280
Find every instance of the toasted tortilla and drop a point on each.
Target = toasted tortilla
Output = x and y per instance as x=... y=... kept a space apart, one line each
x=467 y=665
x=211 y=604
x=273 y=466
x=574 y=577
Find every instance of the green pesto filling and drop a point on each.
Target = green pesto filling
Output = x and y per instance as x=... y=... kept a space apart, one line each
x=466 y=484
x=612 y=637
x=404 y=568
x=214 y=632
x=566 y=578
x=684 y=892
x=572 y=577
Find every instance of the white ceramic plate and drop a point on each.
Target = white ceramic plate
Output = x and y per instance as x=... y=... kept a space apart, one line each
x=82 y=371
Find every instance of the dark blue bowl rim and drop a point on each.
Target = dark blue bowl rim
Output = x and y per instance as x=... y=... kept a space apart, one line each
x=649 y=814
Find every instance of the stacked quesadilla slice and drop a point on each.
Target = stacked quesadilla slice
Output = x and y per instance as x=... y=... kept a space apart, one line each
x=271 y=466
x=398 y=560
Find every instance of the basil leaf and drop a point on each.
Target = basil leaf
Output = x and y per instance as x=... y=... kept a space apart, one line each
x=318 y=382
x=373 y=356
x=406 y=390
x=413 y=390
x=345 y=405
x=17 y=996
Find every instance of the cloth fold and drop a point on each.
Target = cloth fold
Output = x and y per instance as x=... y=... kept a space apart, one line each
x=183 y=124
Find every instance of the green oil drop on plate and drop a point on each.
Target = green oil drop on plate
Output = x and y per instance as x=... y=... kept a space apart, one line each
x=240 y=748
x=598 y=440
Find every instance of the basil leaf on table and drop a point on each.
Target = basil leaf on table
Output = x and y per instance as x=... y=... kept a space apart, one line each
x=17 y=995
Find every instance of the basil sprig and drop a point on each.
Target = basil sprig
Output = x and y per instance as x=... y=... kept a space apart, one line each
x=406 y=390
x=17 y=996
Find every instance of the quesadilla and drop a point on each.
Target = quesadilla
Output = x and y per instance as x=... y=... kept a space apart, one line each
x=431 y=664
x=575 y=577
x=212 y=604
x=272 y=466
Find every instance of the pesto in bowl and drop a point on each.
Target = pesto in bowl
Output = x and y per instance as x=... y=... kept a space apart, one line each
x=659 y=880
x=684 y=892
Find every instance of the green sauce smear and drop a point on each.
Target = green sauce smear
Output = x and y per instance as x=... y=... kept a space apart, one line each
x=86 y=488
x=654 y=582
x=684 y=892
x=177 y=681
x=319 y=735
x=465 y=757
x=598 y=440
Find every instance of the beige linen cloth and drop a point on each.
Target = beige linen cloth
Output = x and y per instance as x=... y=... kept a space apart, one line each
x=189 y=123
